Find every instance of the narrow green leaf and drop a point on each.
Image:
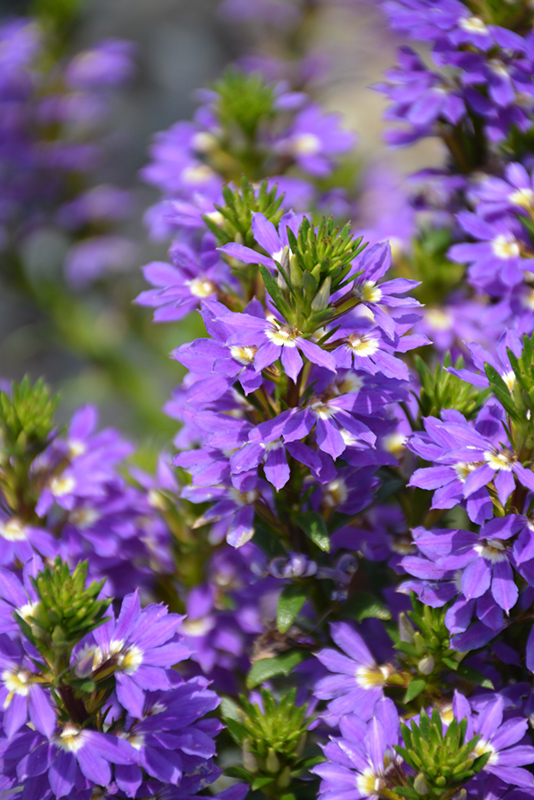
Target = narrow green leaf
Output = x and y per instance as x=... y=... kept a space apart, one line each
x=267 y=668
x=367 y=606
x=474 y=676
x=415 y=688
x=314 y=527
x=260 y=782
x=289 y=604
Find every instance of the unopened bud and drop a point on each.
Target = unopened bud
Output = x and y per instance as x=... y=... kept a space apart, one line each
x=406 y=629
x=295 y=271
x=284 y=778
x=272 y=762
x=419 y=643
x=420 y=784
x=250 y=762
x=320 y=301
x=426 y=665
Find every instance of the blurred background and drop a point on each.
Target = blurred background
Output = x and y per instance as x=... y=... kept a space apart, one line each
x=88 y=340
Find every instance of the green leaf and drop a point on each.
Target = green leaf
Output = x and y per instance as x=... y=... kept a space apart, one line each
x=314 y=527
x=367 y=606
x=501 y=392
x=474 y=676
x=238 y=772
x=270 y=283
x=267 y=668
x=230 y=710
x=260 y=782
x=237 y=731
x=415 y=688
x=289 y=604
x=405 y=791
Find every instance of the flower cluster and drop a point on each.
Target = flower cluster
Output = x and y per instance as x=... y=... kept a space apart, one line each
x=52 y=111
x=97 y=710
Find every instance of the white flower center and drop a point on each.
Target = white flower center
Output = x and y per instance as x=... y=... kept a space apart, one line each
x=84 y=517
x=322 y=410
x=243 y=498
x=200 y=287
x=493 y=550
x=499 y=461
x=204 y=142
x=504 y=248
x=13 y=530
x=369 y=783
x=306 y=144
x=71 y=738
x=76 y=448
x=523 y=198
x=245 y=355
x=335 y=493
x=463 y=468
x=394 y=443
x=370 y=292
x=16 y=682
x=197 y=175
x=369 y=677
x=482 y=747
x=363 y=345
x=439 y=320
x=197 y=627
x=63 y=484
x=473 y=25
x=282 y=336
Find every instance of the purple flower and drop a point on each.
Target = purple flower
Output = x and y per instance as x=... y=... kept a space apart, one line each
x=142 y=644
x=274 y=339
x=273 y=241
x=358 y=762
x=514 y=193
x=312 y=140
x=22 y=698
x=485 y=559
x=497 y=261
x=468 y=460
x=504 y=739
x=356 y=686
x=69 y=759
x=182 y=286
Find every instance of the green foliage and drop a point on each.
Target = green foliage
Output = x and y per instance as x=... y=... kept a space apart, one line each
x=314 y=266
x=430 y=265
x=314 y=526
x=266 y=668
x=233 y=220
x=67 y=611
x=58 y=15
x=516 y=395
x=423 y=643
x=26 y=418
x=517 y=15
x=272 y=737
x=441 y=389
x=244 y=100
x=290 y=602
x=443 y=762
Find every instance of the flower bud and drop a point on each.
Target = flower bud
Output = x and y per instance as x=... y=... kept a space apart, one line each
x=420 y=784
x=272 y=762
x=250 y=762
x=426 y=665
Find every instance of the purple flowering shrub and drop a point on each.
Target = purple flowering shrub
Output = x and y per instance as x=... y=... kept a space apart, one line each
x=332 y=572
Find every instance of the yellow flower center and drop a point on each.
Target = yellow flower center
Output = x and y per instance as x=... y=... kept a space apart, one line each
x=505 y=248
